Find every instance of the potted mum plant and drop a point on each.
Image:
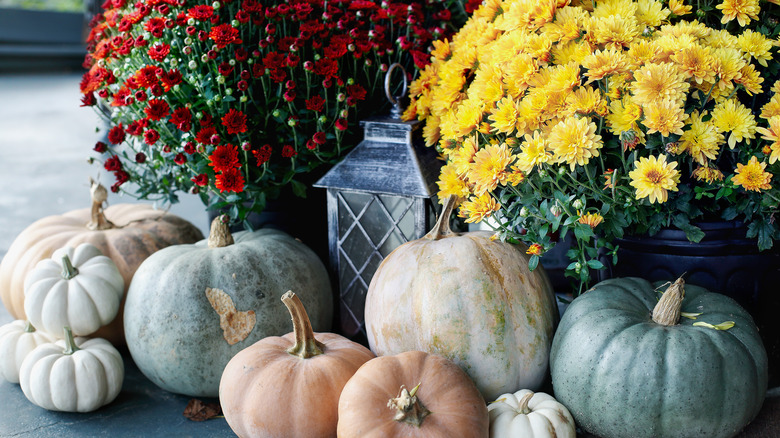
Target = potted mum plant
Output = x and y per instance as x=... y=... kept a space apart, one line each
x=600 y=120
x=236 y=100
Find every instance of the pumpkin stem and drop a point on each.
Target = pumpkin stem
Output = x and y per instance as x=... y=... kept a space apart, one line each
x=667 y=311
x=68 y=270
x=219 y=234
x=28 y=327
x=306 y=346
x=522 y=404
x=442 y=228
x=410 y=409
x=99 y=195
x=70 y=343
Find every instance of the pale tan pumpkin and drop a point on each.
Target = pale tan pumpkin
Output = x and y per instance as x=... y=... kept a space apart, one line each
x=412 y=394
x=126 y=233
x=467 y=298
x=289 y=386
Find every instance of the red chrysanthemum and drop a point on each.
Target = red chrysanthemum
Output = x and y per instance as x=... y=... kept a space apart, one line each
x=121 y=97
x=88 y=100
x=201 y=180
x=182 y=119
x=341 y=124
x=319 y=137
x=234 y=121
x=316 y=103
x=146 y=76
x=224 y=34
x=327 y=68
x=230 y=180
x=113 y=164
x=201 y=12
x=136 y=127
x=180 y=159
x=263 y=155
x=288 y=151
x=204 y=135
x=155 y=26
x=151 y=136
x=224 y=157
x=159 y=51
x=157 y=109
x=116 y=134
x=170 y=78
x=100 y=147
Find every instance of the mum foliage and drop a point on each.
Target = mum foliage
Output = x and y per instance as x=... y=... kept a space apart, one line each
x=608 y=117
x=237 y=99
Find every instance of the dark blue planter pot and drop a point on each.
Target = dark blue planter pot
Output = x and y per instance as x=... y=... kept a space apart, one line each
x=725 y=261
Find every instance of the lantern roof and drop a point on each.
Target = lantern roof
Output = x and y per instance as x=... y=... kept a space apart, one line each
x=390 y=160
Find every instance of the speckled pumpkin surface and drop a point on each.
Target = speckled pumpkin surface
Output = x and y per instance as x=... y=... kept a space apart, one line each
x=622 y=374
x=469 y=299
x=191 y=308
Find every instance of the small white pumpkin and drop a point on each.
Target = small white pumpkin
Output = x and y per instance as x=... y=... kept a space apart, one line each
x=72 y=375
x=79 y=288
x=17 y=340
x=530 y=414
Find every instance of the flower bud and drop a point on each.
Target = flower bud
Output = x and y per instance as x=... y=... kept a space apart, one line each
x=577 y=204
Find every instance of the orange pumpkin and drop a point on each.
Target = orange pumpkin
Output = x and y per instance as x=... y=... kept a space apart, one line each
x=289 y=386
x=126 y=233
x=443 y=401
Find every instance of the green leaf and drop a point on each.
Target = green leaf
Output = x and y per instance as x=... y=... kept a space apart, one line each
x=299 y=188
x=722 y=326
x=692 y=232
x=533 y=262
x=764 y=231
x=595 y=264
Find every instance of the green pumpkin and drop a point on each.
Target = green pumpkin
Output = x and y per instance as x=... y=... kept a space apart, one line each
x=191 y=308
x=628 y=364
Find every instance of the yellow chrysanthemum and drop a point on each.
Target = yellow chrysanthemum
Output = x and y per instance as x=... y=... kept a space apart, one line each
x=591 y=219
x=666 y=117
x=531 y=14
x=771 y=108
x=755 y=45
x=469 y=116
x=614 y=31
x=574 y=141
x=701 y=140
x=531 y=110
x=708 y=174
x=462 y=157
x=623 y=116
x=696 y=62
x=751 y=79
x=658 y=82
x=441 y=49
x=752 y=176
x=643 y=52
x=516 y=176
x=668 y=45
x=573 y=51
x=608 y=8
x=775 y=87
x=487 y=86
x=489 y=168
x=651 y=13
x=694 y=29
x=721 y=38
x=488 y=9
x=741 y=10
x=451 y=184
x=653 y=178
x=534 y=152
x=539 y=46
x=731 y=116
x=728 y=65
x=520 y=69
x=605 y=63
x=431 y=131
x=586 y=101
x=678 y=8
x=562 y=77
x=772 y=135
x=478 y=208
x=567 y=25
x=504 y=118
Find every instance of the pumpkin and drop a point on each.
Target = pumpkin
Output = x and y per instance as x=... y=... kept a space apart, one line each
x=73 y=374
x=530 y=414
x=133 y=232
x=626 y=363
x=79 y=288
x=467 y=298
x=411 y=394
x=191 y=308
x=290 y=385
x=17 y=339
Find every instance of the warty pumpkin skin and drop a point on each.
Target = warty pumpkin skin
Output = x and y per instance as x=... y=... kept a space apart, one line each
x=413 y=395
x=191 y=308
x=289 y=386
x=469 y=299
x=126 y=233
x=623 y=370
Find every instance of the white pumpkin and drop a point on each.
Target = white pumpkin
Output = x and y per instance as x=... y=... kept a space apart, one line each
x=72 y=375
x=530 y=414
x=17 y=340
x=79 y=288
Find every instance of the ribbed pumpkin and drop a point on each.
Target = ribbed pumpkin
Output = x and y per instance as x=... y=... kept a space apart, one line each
x=126 y=233
x=628 y=364
x=17 y=339
x=467 y=298
x=289 y=386
x=191 y=308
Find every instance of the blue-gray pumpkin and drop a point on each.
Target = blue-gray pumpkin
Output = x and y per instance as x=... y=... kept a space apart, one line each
x=191 y=308
x=626 y=363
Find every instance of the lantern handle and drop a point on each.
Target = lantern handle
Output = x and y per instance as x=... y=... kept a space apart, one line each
x=397 y=110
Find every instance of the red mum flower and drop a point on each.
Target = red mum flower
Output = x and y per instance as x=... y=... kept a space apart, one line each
x=356 y=91
x=326 y=67
x=189 y=147
x=155 y=26
x=316 y=103
x=122 y=97
x=88 y=100
x=170 y=78
x=146 y=77
x=341 y=124
x=157 y=109
x=201 y=12
x=204 y=135
x=234 y=121
x=136 y=127
x=151 y=136
x=201 y=180
x=224 y=157
x=100 y=147
x=230 y=180
x=224 y=34
x=116 y=134
x=140 y=158
x=113 y=164
x=180 y=159
x=182 y=119
x=263 y=155
x=319 y=137
x=288 y=151
x=225 y=69
x=159 y=51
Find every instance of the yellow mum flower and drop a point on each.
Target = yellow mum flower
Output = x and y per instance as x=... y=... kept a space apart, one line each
x=608 y=8
x=504 y=116
x=742 y=10
x=752 y=176
x=488 y=9
x=751 y=79
x=469 y=116
x=591 y=219
x=755 y=45
x=623 y=116
x=731 y=116
x=651 y=13
x=604 y=63
x=441 y=49
x=567 y=25
x=659 y=82
x=487 y=87
x=535 y=249
x=721 y=38
x=489 y=168
x=562 y=77
x=776 y=87
x=708 y=174
x=531 y=110
x=653 y=178
x=666 y=117
x=585 y=101
x=573 y=51
x=478 y=208
x=772 y=134
x=574 y=141
x=771 y=108
x=516 y=74
x=451 y=184
x=701 y=140
x=431 y=131
x=695 y=29
x=643 y=52
x=696 y=62
x=462 y=157
x=678 y=8
x=728 y=65
x=534 y=152
x=671 y=44
x=614 y=31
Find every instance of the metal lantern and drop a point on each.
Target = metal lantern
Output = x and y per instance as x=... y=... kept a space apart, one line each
x=378 y=197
